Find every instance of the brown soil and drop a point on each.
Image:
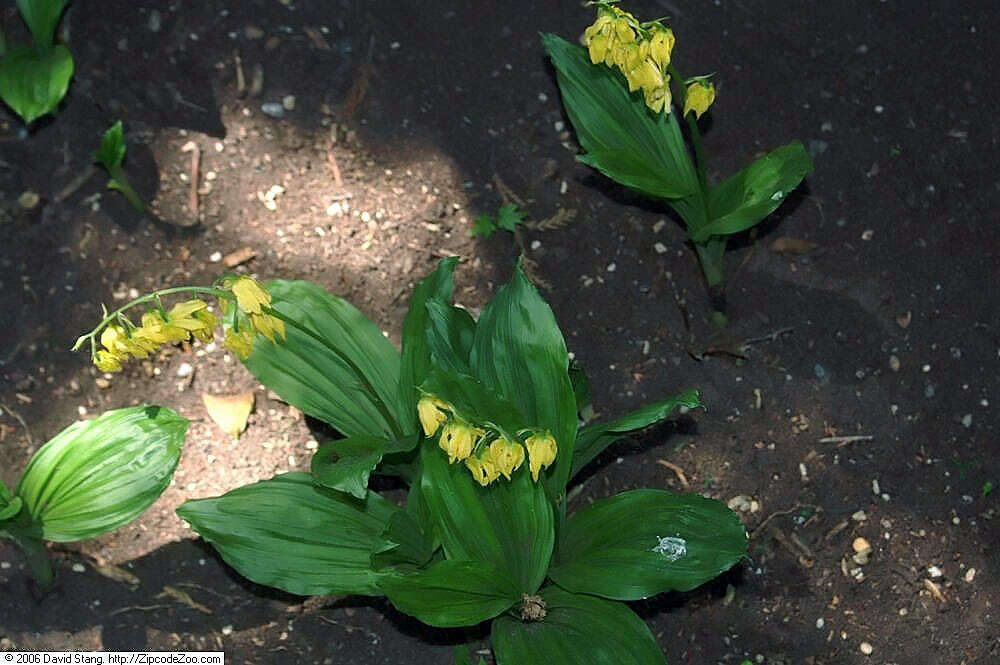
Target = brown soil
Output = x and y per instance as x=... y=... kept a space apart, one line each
x=407 y=117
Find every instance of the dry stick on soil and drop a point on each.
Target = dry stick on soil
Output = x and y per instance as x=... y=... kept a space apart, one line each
x=17 y=416
x=331 y=161
x=74 y=184
x=842 y=441
x=798 y=506
x=138 y=608
x=679 y=472
x=241 y=80
x=192 y=147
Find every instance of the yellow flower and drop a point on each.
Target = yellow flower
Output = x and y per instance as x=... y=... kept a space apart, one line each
x=661 y=44
x=457 y=439
x=268 y=325
x=541 y=452
x=624 y=31
x=206 y=332
x=700 y=95
x=483 y=470
x=240 y=343
x=250 y=295
x=506 y=456
x=598 y=47
x=117 y=341
x=658 y=99
x=157 y=331
x=432 y=413
x=646 y=76
x=107 y=361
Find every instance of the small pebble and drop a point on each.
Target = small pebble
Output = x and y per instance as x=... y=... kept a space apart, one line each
x=894 y=363
x=78 y=568
x=859 y=516
x=820 y=623
x=660 y=248
x=273 y=109
x=288 y=102
x=185 y=370
x=861 y=545
x=934 y=572
x=215 y=257
x=866 y=648
x=967 y=421
x=28 y=200
x=227 y=630
x=970 y=575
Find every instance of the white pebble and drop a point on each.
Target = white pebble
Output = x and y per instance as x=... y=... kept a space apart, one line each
x=660 y=248
x=185 y=370
x=866 y=648
x=612 y=267
x=215 y=257
x=967 y=421
x=875 y=487
x=227 y=630
x=934 y=572
x=970 y=575
x=78 y=568
x=820 y=623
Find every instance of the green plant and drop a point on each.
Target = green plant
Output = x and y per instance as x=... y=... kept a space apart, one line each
x=34 y=78
x=986 y=489
x=480 y=420
x=92 y=477
x=508 y=217
x=629 y=133
x=110 y=154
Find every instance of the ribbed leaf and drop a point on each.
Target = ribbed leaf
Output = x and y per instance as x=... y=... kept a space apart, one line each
x=404 y=543
x=507 y=523
x=97 y=475
x=345 y=372
x=416 y=354
x=576 y=629
x=519 y=351
x=450 y=333
x=42 y=17
x=33 y=82
x=111 y=152
x=452 y=593
x=290 y=534
x=623 y=138
x=640 y=543
x=346 y=464
x=750 y=195
x=593 y=439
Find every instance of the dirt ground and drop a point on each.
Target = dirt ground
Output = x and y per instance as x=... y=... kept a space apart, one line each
x=403 y=121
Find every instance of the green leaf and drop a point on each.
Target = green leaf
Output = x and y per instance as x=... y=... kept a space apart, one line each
x=623 y=138
x=42 y=17
x=640 y=543
x=288 y=533
x=452 y=593
x=593 y=439
x=581 y=391
x=519 y=351
x=34 y=82
x=450 y=333
x=508 y=217
x=463 y=657
x=97 y=475
x=343 y=371
x=404 y=543
x=747 y=197
x=10 y=508
x=111 y=152
x=356 y=458
x=34 y=551
x=484 y=227
x=576 y=629
x=416 y=354
x=507 y=523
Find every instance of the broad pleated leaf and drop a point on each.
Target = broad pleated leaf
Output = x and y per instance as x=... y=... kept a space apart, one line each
x=519 y=351
x=576 y=629
x=623 y=138
x=581 y=391
x=345 y=373
x=289 y=533
x=507 y=523
x=416 y=354
x=450 y=333
x=750 y=195
x=640 y=543
x=346 y=464
x=42 y=17
x=452 y=593
x=100 y=474
x=404 y=543
x=593 y=439
x=33 y=82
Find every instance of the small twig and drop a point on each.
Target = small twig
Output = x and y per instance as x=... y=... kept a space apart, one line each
x=331 y=160
x=241 y=80
x=679 y=472
x=769 y=337
x=506 y=193
x=844 y=440
x=138 y=608
x=74 y=184
x=192 y=147
x=17 y=416
x=798 y=506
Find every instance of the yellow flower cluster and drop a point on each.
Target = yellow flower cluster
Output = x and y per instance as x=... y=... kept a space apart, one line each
x=641 y=53
x=465 y=442
x=180 y=323
x=252 y=300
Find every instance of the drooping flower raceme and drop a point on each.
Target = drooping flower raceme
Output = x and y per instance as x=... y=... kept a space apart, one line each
x=120 y=339
x=487 y=452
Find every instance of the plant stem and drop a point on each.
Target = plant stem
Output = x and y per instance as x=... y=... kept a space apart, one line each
x=120 y=182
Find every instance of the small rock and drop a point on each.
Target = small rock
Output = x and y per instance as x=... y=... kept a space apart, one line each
x=967 y=421
x=102 y=383
x=820 y=623
x=740 y=503
x=859 y=516
x=660 y=248
x=861 y=545
x=78 y=568
x=894 y=363
x=185 y=370
x=866 y=648
x=288 y=102
x=252 y=32
x=227 y=630
x=155 y=21
x=215 y=257
x=273 y=109
x=28 y=200
x=934 y=572
x=970 y=575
